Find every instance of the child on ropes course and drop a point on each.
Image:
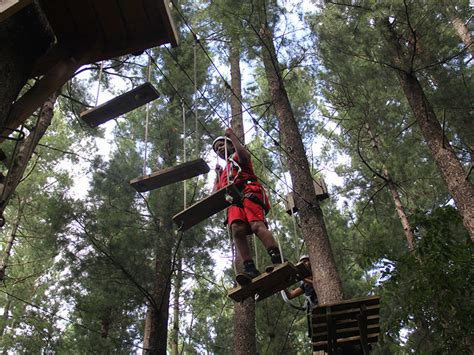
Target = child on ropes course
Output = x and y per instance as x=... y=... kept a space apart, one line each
x=249 y=216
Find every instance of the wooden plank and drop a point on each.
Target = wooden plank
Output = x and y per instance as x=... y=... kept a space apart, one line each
x=322 y=345
x=349 y=313
x=347 y=332
x=87 y=25
x=119 y=105
x=60 y=18
x=345 y=323
x=267 y=284
x=170 y=175
x=111 y=22
x=348 y=304
x=135 y=18
x=206 y=208
x=10 y=7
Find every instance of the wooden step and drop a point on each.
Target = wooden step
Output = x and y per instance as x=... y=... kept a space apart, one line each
x=120 y=105
x=169 y=176
x=207 y=207
x=267 y=284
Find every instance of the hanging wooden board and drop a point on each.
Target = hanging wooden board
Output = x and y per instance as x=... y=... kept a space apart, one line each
x=119 y=105
x=268 y=283
x=170 y=175
x=207 y=207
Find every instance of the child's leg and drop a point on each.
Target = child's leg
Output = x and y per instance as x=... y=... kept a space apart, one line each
x=239 y=233
x=261 y=231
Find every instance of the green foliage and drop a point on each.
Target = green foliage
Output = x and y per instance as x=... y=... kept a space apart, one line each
x=429 y=293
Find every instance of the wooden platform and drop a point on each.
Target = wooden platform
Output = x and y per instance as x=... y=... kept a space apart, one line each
x=120 y=105
x=267 y=284
x=170 y=175
x=105 y=29
x=320 y=189
x=10 y=7
x=206 y=208
x=351 y=322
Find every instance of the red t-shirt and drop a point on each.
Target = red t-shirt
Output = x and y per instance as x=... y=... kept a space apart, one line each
x=246 y=174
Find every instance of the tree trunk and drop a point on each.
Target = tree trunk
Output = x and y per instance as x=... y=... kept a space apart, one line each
x=24 y=37
x=327 y=282
x=156 y=322
x=395 y=195
x=177 y=291
x=9 y=246
x=453 y=174
x=451 y=170
x=5 y=316
x=244 y=312
x=26 y=149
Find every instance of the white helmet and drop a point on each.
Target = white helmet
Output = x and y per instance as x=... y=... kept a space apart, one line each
x=220 y=138
x=304 y=257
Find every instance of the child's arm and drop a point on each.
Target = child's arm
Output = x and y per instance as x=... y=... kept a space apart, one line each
x=294 y=293
x=242 y=152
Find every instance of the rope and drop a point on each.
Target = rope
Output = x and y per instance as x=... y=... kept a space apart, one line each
x=293 y=218
x=147 y=115
x=98 y=83
x=196 y=100
x=184 y=149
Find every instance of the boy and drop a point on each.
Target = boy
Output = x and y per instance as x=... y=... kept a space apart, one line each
x=249 y=217
x=306 y=288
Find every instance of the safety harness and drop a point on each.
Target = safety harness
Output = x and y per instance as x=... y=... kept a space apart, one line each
x=241 y=185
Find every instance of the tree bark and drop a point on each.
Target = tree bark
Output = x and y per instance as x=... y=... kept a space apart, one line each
x=244 y=312
x=156 y=322
x=9 y=246
x=177 y=291
x=26 y=149
x=326 y=280
x=25 y=36
x=451 y=169
x=452 y=172
x=395 y=195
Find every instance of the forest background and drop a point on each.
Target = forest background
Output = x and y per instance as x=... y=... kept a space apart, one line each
x=104 y=270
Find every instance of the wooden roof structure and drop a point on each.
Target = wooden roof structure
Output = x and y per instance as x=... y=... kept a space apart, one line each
x=103 y=29
x=88 y=31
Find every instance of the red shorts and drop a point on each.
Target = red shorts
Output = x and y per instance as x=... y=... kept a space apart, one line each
x=249 y=213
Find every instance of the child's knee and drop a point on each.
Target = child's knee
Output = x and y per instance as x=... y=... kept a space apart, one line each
x=239 y=230
x=258 y=227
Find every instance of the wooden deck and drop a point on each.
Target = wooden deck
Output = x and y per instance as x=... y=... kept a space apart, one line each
x=350 y=322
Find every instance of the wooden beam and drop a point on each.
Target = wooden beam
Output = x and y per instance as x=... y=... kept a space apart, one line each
x=207 y=207
x=171 y=175
x=120 y=105
x=10 y=7
x=27 y=104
